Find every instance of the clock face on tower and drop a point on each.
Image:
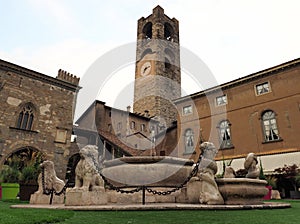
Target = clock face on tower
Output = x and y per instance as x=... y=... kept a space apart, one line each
x=145 y=68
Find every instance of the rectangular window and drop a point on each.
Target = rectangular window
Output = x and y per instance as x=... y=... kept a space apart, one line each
x=262 y=88
x=143 y=127
x=221 y=100
x=187 y=110
x=132 y=125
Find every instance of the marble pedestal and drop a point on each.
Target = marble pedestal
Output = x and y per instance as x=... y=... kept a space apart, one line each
x=80 y=198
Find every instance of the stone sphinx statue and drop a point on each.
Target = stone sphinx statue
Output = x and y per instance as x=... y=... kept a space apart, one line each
x=48 y=183
x=51 y=181
x=209 y=192
x=87 y=177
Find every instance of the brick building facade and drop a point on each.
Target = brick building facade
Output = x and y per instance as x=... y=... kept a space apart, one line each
x=258 y=113
x=37 y=113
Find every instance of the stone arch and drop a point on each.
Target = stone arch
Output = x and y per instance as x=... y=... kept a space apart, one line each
x=71 y=166
x=24 y=154
x=168 y=32
x=147 y=31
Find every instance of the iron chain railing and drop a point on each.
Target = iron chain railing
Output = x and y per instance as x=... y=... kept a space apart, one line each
x=52 y=191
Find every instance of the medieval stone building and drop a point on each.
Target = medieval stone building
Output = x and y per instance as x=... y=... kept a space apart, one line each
x=36 y=114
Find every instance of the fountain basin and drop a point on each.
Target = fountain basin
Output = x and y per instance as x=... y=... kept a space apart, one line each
x=242 y=191
x=155 y=171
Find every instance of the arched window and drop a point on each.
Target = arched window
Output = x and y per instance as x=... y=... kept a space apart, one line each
x=147 y=30
x=225 y=134
x=189 y=141
x=269 y=125
x=26 y=116
x=168 y=31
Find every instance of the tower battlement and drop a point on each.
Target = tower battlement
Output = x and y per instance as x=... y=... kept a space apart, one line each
x=68 y=77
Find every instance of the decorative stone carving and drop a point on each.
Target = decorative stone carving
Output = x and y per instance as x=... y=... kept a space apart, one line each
x=209 y=192
x=243 y=191
x=50 y=178
x=87 y=177
x=51 y=182
x=250 y=165
x=229 y=172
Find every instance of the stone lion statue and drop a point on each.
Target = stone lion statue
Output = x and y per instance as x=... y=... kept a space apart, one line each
x=87 y=177
x=50 y=178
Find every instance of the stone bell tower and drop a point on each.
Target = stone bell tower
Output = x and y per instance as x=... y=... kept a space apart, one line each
x=157 y=73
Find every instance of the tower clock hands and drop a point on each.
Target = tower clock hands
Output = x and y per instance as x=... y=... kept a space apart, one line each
x=146 y=68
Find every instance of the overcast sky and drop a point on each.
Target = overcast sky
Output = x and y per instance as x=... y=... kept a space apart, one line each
x=234 y=38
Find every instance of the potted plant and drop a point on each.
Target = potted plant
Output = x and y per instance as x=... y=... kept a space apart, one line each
x=9 y=178
x=29 y=178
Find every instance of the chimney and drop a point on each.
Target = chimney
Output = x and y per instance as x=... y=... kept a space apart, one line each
x=128 y=108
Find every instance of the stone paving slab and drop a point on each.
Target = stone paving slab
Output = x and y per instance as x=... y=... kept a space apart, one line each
x=157 y=206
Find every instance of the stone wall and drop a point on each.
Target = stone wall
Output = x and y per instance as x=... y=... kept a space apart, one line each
x=52 y=103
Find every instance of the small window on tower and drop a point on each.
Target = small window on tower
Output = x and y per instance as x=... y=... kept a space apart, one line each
x=168 y=31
